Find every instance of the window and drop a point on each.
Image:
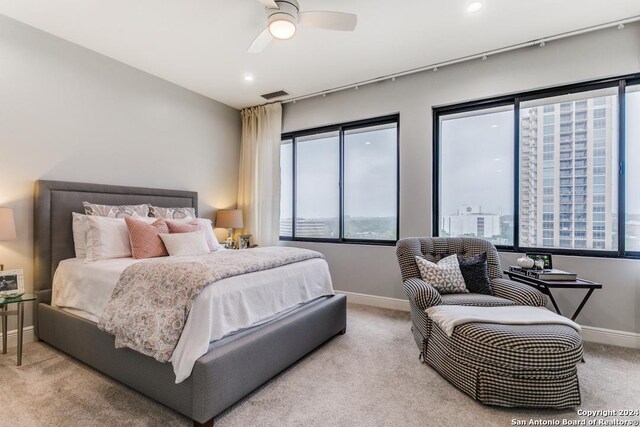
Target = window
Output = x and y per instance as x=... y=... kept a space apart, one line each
x=480 y=205
x=566 y=198
x=317 y=163
x=370 y=182
x=286 y=183
x=340 y=183
x=632 y=169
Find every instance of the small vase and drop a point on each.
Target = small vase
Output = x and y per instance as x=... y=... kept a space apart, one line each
x=525 y=262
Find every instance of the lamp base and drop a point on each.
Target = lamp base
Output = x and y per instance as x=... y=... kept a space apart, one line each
x=230 y=244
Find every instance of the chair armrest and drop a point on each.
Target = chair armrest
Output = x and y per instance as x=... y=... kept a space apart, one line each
x=421 y=294
x=518 y=292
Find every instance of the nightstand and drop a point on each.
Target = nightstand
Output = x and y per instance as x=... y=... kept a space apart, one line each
x=5 y=313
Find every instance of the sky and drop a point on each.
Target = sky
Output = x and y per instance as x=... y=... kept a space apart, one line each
x=370 y=175
x=477 y=155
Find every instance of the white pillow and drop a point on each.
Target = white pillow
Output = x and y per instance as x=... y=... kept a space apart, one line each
x=80 y=227
x=180 y=244
x=108 y=238
x=203 y=224
x=445 y=276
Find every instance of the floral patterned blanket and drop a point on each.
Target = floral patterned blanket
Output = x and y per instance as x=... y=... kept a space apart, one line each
x=152 y=300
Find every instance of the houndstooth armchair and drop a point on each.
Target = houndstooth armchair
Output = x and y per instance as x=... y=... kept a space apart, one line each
x=422 y=295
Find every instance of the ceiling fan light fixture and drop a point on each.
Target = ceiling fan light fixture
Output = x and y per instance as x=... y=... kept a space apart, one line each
x=282 y=29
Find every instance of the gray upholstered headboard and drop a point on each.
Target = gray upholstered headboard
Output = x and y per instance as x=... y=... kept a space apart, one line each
x=56 y=200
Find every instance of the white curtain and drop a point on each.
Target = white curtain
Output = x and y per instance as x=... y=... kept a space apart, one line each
x=259 y=180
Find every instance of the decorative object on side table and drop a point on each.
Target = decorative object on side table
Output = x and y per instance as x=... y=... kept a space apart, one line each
x=229 y=219
x=11 y=283
x=7 y=226
x=244 y=241
x=541 y=256
x=525 y=262
x=5 y=313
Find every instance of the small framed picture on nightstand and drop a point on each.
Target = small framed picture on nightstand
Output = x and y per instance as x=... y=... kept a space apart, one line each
x=244 y=241
x=11 y=283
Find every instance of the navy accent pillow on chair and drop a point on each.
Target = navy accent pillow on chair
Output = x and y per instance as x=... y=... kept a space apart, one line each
x=475 y=273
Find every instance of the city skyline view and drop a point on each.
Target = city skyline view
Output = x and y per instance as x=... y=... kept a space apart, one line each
x=568 y=172
x=370 y=184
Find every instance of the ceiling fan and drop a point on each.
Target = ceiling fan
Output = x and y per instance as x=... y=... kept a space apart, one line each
x=283 y=16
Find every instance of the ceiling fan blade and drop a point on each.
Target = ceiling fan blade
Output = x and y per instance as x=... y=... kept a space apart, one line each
x=260 y=42
x=329 y=20
x=269 y=4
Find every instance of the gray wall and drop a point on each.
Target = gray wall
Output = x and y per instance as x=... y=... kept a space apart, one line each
x=373 y=270
x=67 y=113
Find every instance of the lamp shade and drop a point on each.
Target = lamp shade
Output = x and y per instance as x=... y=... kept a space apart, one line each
x=7 y=224
x=229 y=218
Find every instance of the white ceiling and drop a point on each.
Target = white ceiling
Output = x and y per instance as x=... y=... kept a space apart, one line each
x=201 y=44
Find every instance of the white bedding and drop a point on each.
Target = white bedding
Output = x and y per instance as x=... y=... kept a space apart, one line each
x=234 y=303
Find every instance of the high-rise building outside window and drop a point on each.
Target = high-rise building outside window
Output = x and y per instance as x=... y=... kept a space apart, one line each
x=573 y=197
x=568 y=180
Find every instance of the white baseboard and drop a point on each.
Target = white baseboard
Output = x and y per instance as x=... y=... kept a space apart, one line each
x=376 y=301
x=610 y=336
x=12 y=336
x=589 y=333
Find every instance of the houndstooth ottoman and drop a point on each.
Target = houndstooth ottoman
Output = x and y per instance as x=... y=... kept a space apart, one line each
x=510 y=365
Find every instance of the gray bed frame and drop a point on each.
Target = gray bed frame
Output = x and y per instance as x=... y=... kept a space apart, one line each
x=233 y=367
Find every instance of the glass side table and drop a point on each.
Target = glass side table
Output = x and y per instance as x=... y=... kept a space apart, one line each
x=5 y=313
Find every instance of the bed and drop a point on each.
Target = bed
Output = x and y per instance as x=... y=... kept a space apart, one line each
x=232 y=367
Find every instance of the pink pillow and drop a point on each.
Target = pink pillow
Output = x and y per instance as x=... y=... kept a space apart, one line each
x=145 y=238
x=181 y=227
x=191 y=225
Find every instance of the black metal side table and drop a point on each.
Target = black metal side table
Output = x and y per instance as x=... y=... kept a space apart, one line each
x=5 y=313
x=545 y=287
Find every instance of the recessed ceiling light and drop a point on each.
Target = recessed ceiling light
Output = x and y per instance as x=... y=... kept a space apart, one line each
x=494 y=126
x=368 y=143
x=474 y=6
x=247 y=78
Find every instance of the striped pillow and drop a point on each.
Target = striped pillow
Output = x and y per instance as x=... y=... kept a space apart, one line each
x=145 y=238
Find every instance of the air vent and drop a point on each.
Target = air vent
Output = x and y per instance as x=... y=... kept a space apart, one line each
x=272 y=95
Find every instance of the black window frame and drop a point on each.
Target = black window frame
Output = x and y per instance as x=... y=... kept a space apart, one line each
x=341 y=128
x=619 y=82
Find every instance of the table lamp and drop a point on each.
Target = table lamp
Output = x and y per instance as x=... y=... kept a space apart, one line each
x=229 y=219
x=7 y=227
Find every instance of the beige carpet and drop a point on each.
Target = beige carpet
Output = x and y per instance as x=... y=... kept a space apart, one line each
x=370 y=376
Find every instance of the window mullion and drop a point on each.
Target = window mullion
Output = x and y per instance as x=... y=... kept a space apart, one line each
x=294 y=189
x=341 y=185
x=621 y=167
x=516 y=174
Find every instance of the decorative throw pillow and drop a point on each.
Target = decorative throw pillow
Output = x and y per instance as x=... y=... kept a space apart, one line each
x=80 y=226
x=120 y=211
x=145 y=238
x=476 y=275
x=108 y=238
x=172 y=213
x=190 y=225
x=445 y=276
x=181 y=244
